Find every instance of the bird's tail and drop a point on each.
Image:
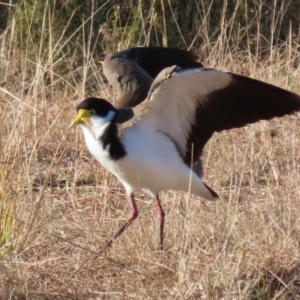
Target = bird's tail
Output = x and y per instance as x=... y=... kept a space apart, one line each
x=204 y=191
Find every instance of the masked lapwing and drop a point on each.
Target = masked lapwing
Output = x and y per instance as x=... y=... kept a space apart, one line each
x=150 y=148
x=132 y=71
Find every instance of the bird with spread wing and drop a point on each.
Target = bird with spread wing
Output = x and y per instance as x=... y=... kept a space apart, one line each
x=152 y=147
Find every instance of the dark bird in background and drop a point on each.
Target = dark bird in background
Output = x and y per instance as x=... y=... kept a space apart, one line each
x=132 y=71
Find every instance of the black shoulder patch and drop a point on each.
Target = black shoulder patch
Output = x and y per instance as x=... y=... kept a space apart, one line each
x=110 y=139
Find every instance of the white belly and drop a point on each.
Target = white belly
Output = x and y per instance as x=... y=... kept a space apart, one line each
x=151 y=167
x=152 y=164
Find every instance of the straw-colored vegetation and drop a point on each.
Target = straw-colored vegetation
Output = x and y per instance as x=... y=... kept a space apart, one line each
x=58 y=206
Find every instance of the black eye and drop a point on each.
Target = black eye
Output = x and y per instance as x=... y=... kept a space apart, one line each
x=92 y=112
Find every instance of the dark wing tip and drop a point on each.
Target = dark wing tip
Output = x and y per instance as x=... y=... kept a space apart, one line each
x=246 y=100
x=239 y=102
x=213 y=193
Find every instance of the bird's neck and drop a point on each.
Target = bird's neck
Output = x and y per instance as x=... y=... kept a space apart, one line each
x=111 y=142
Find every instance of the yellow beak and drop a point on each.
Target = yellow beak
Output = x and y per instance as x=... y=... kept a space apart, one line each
x=83 y=116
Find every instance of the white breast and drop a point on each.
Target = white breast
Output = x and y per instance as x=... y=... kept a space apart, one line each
x=152 y=163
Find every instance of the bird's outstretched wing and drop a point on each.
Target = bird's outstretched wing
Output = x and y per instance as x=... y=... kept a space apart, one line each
x=190 y=105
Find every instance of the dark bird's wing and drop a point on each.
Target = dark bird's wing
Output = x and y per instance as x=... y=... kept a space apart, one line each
x=155 y=59
x=131 y=72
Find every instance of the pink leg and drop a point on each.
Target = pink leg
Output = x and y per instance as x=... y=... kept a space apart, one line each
x=161 y=219
x=133 y=216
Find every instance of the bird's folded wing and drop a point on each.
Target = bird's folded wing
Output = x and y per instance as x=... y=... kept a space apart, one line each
x=155 y=59
x=131 y=72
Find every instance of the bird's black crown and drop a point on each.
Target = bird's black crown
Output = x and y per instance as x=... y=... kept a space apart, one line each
x=101 y=106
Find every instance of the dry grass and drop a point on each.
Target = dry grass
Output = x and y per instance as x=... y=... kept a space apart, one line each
x=59 y=207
